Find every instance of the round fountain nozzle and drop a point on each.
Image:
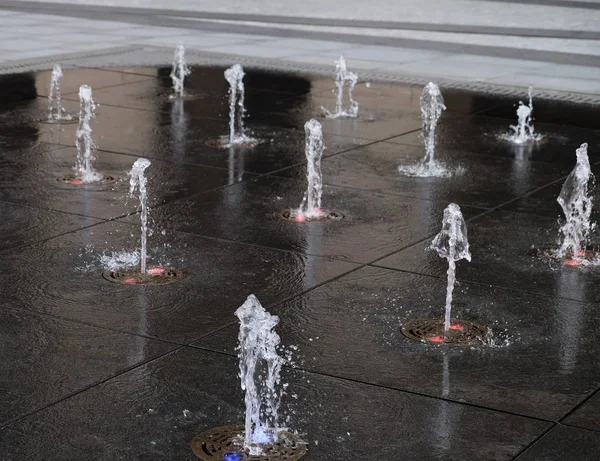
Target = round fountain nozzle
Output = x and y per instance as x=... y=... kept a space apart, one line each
x=155 y=275
x=235 y=456
x=460 y=333
x=225 y=443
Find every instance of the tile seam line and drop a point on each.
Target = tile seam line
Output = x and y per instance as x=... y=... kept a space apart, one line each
x=253 y=177
x=390 y=388
x=51 y=8
x=534 y=442
x=62 y=318
x=580 y=404
x=87 y=388
x=574 y=426
x=49 y=209
x=47 y=239
x=44 y=94
x=483 y=284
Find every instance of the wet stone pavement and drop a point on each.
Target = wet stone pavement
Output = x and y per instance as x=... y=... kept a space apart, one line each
x=95 y=370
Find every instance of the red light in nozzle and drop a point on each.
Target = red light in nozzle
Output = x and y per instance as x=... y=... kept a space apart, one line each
x=156 y=270
x=572 y=262
x=76 y=182
x=436 y=339
x=456 y=326
x=131 y=280
x=300 y=218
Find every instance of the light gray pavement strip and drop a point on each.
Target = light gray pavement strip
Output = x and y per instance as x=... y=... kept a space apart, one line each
x=564 y=51
x=461 y=12
x=26 y=36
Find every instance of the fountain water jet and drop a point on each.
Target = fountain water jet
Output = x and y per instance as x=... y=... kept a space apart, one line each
x=56 y=112
x=138 y=181
x=451 y=243
x=120 y=268
x=343 y=77
x=85 y=172
x=432 y=106
x=311 y=203
x=523 y=131
x=261 y=436
x=179 y=72
x=237 y=133
x=260 y=366
x=310 y=208
x=576 y=203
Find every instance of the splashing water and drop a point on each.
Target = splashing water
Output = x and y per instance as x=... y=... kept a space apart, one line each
x=523 y=131
x=180 y=70
x=260 y=366
x=119 y=259
x=576 y=203
x=237 y=134
x=85 y=145
x=55 y=109
x=311 y=203
x=451 y=243
x=432 y=106
x=138 y=180
x=343 y=77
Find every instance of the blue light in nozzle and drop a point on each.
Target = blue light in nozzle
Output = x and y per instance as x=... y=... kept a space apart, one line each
x=233 y=457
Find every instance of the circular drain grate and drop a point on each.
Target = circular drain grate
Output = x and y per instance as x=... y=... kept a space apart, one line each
x=75 y=181
x=586 y=258
x=215 y=444
x=327 y=216
x=461 y=333
x=155 y=275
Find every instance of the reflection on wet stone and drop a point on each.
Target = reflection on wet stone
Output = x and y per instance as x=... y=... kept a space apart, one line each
x=148 y=366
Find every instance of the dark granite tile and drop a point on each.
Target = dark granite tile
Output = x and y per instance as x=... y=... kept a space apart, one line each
x=582 y=115
x=73 y=78
x=208 y=88
x=39 y=175
x=586 y=416
x=11 y=147
x=150 y=71
x=23 y=225
x=459 y=133
x=218 y=277
x=543 y=201
x=46 y=359
x=484 y=181
x=565 y=443
x=373 y=225
x=402 y=96
x=143 y=418
x=485 y=135
x=503 y=248
x=175 y=136
x=540 y=364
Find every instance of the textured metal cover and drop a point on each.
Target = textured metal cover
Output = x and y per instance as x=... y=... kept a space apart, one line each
x=461 y=333
x=75 y=181
x=588 y=258
x=214 y=444
x=154 y=276
x=286 y=215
